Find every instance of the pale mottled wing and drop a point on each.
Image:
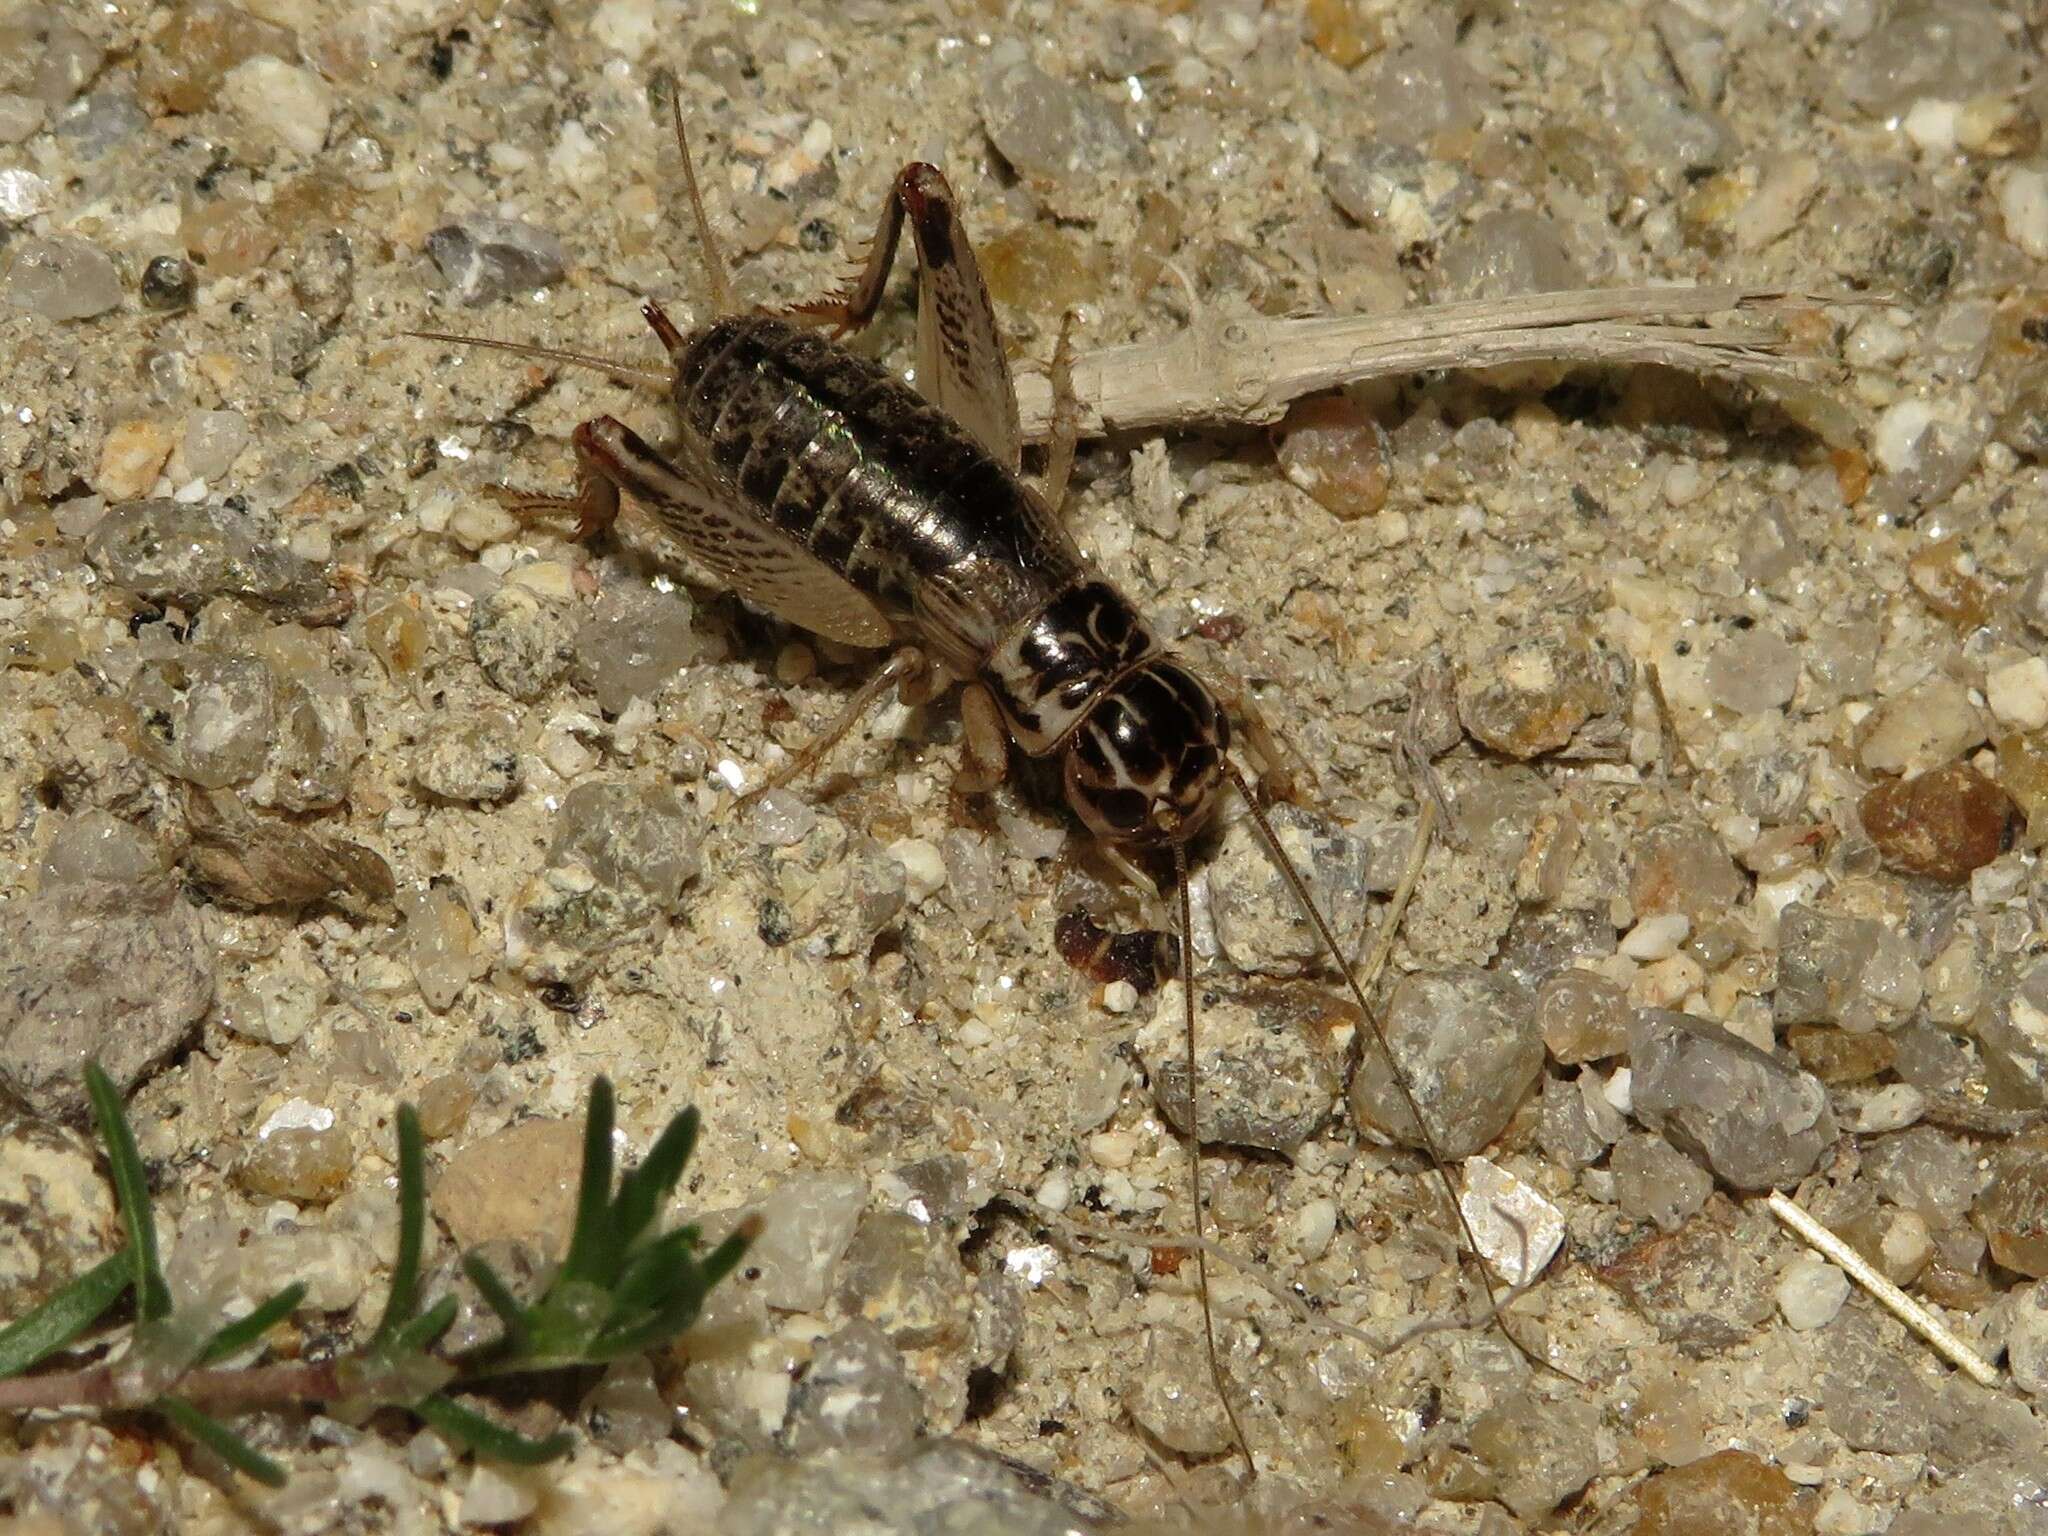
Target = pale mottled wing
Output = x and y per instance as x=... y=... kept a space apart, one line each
x=960 y=363
x=758 y=561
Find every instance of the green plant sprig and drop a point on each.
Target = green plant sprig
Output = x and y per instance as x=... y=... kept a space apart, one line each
x=622 y=1290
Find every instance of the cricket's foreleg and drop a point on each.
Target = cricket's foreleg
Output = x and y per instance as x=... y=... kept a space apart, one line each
x=907 y=668
x=596 y=500
x=986 y=758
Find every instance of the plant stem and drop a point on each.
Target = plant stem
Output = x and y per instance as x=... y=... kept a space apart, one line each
x=111 y=1387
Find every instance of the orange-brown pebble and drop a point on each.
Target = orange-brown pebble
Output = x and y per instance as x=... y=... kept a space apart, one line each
x=1728 y=1491
x=2012 y=1213
x=1041 y=268
x=299 y=1163
x=2023 y=774
x=1332 y=448
x=1342 y=32
x=445 y=1104
x=519 y=1182
x=1852 y=474
x=1838 y=1056
x=184 y=64
x=130 y=460
x=1942 y=824
x=1945 y=578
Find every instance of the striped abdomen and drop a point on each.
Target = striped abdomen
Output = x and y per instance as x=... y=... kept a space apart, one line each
x=879 y=485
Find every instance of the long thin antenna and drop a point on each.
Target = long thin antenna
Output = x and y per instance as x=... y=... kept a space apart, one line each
x=1313 y=913
x=634 y=373
x=1187 y=994
x=707 y=245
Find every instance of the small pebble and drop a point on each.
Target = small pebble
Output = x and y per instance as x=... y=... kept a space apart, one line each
x=2022 y=193
x=1049 y=129
x=1654 y=1181
x=2012 y=1212
x=1655 y=938
x=287 y=104
x=306 y=1164
x=1172 y=1397
x=60 y=278
x=1811 y=1292
x=1753 y=670
x=1529 y=695
x=1931 y=723
x=1467 y=1040
x=168 y=283
x=1517 y=1231
x=485 y=259
x=2018 y=694
x=924 y=867
x=1756 y=1122
x=130 y=460
x=1265 y=1070
x=1943 y=824
x=1333 y=449
x=2026 y=1339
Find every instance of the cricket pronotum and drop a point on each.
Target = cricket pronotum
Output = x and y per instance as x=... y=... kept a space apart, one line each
x=824 y=489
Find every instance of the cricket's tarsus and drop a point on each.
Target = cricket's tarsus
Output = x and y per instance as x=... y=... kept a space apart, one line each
x=822 y=488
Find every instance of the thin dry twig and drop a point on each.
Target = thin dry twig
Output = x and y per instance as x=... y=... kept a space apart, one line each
x=1246 y=367
x=1895 y=1301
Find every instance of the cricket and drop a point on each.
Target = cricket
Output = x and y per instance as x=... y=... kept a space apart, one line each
x=825 y=490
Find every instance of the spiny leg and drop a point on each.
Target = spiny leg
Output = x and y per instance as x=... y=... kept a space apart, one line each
x=907 y=667
x=596 y=500
x=961 y=367
x=1066 y=418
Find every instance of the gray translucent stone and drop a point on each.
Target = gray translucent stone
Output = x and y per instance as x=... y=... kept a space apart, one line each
x=213 y=441
x=620 y=858
x=319 y=737
x=1755 y=1122
x=933 y=1488
x=2026 y=1338
x=484 y=259
x=1259 y=926
x=852 y=901
x=1871 y=1394
x=1565 y=1128
x=638 y=841
x=1752 y=670
x=1376 y=179
x=1045 y=127
x=206 y=719
x=1266 y=1075
x=1925 y=1170
x=188 y=555
x=634 y=641
x=1681 y=866
x=522 y=640
x=100 y=122
x=1468 y=1043
x=1422 y=91
x=856 y=1396
x=1949 y=49
x=1173 y=1398
x=1541 y=1450
x=1654 y=1181
x=904 y=1276
x=1506 y=253
x=1771 y=786
x=1850 y=971
x=60 y=278
x=806 y=1224
x=86 y=976
x=2014 y=1041
x=101 y=863
x=1703 y=1287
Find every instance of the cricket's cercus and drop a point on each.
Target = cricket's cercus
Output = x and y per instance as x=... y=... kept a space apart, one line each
x=824 y=489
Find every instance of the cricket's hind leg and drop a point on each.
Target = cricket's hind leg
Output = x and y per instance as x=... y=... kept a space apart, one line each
x=960 y=363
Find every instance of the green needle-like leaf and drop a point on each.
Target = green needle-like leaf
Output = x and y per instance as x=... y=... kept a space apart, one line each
x=498 y=1297
x=653 y=1274
x=244 y=1331
x=642 y=1191
x=222 y=1441
x=593 y=1252
x=412 y=1225
x=65 y=1315
x=131 y=1187
x=424 y=1329
x=475 y=1432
